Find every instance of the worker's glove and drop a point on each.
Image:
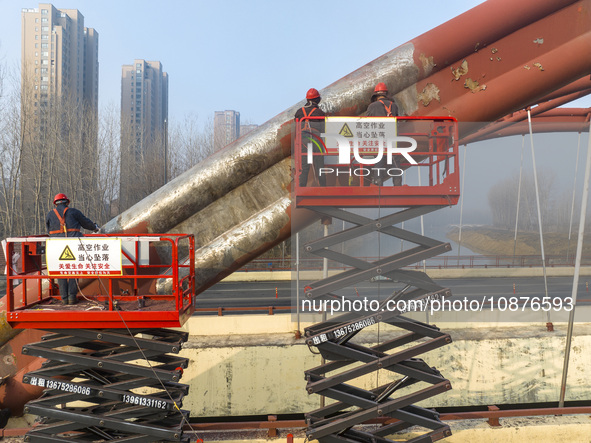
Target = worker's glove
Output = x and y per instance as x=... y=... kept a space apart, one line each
x=97 y=229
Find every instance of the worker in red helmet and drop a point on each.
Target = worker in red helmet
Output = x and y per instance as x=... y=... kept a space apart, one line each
x=63 y=221
x=311 y=130
x=382 y=106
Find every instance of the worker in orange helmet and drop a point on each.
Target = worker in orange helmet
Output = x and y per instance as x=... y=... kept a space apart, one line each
x=63 y=221
x=311 y=130
x=382 y=106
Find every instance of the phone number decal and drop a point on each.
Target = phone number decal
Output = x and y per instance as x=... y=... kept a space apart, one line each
x=60 y=385
x=144 y=401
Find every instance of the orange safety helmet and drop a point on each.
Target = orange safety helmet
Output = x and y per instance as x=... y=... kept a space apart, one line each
x=312 y=94
x=380 y=87
x=59 y=197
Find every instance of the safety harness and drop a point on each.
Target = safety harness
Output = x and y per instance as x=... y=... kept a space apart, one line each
x=388 y=108
x=307 y=126
x=62 y=220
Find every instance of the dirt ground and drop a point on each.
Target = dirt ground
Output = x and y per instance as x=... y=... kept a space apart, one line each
x=490 y=241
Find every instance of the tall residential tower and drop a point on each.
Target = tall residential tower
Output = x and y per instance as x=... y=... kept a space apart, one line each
x=144 y=130
x=59 y=54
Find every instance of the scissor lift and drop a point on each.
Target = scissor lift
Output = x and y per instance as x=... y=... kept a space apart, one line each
x=436 y=153
x=112 y=371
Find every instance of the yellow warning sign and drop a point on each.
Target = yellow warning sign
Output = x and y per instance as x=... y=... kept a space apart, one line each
x=67 y=254
x=345 y=131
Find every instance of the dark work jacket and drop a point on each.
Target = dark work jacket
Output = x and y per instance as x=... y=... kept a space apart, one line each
x=378 y=108
x=312 y=110
x=74 y=220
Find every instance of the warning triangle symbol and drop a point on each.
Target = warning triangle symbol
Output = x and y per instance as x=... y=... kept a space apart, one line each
x=67 y=254
x=345 y=131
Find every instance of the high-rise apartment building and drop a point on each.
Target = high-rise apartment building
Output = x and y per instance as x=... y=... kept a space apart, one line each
x=226 y=128
x=59 y=55
x=59 y=107
x=144 y=130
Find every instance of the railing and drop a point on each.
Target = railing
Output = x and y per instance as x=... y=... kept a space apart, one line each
x=116 y=279
x=352 y=157
x=440 y=262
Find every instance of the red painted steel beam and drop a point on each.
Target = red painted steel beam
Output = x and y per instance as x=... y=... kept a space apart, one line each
x=514 y=71
x=538 y=113
x=573 y=91
x=580 y=85
x=476 y=29
x=554 y=120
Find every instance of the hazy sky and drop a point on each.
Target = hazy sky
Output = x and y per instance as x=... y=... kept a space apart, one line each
x=246 y=56
x=241 y=55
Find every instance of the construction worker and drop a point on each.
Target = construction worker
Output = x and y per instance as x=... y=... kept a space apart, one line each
x=311 y=130
x=63 y=221
x=382 y=106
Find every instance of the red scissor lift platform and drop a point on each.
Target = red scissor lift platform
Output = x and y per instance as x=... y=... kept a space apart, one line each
x=436 y=154
x=352 y=181
x=109 y=351
x=154 y=288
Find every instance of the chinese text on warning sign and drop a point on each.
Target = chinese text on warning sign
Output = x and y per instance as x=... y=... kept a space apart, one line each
x=83 y=256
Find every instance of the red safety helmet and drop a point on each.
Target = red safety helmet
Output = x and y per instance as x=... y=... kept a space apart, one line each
x=59 y=197
x=312 y=94
x=380 y=87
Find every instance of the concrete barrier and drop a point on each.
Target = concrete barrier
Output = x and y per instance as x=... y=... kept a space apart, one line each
x=247 y=365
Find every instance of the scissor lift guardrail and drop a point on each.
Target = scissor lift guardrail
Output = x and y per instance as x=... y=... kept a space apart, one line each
x=104 y=300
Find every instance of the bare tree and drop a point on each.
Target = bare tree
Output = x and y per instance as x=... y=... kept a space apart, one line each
x=142 y=163
x=502 y=199
x=109 y=155
x=10 y=157
x=47 y=145
x=52 y=143
x=189 y=144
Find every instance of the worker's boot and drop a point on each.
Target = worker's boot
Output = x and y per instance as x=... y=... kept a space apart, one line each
x=72 y=300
